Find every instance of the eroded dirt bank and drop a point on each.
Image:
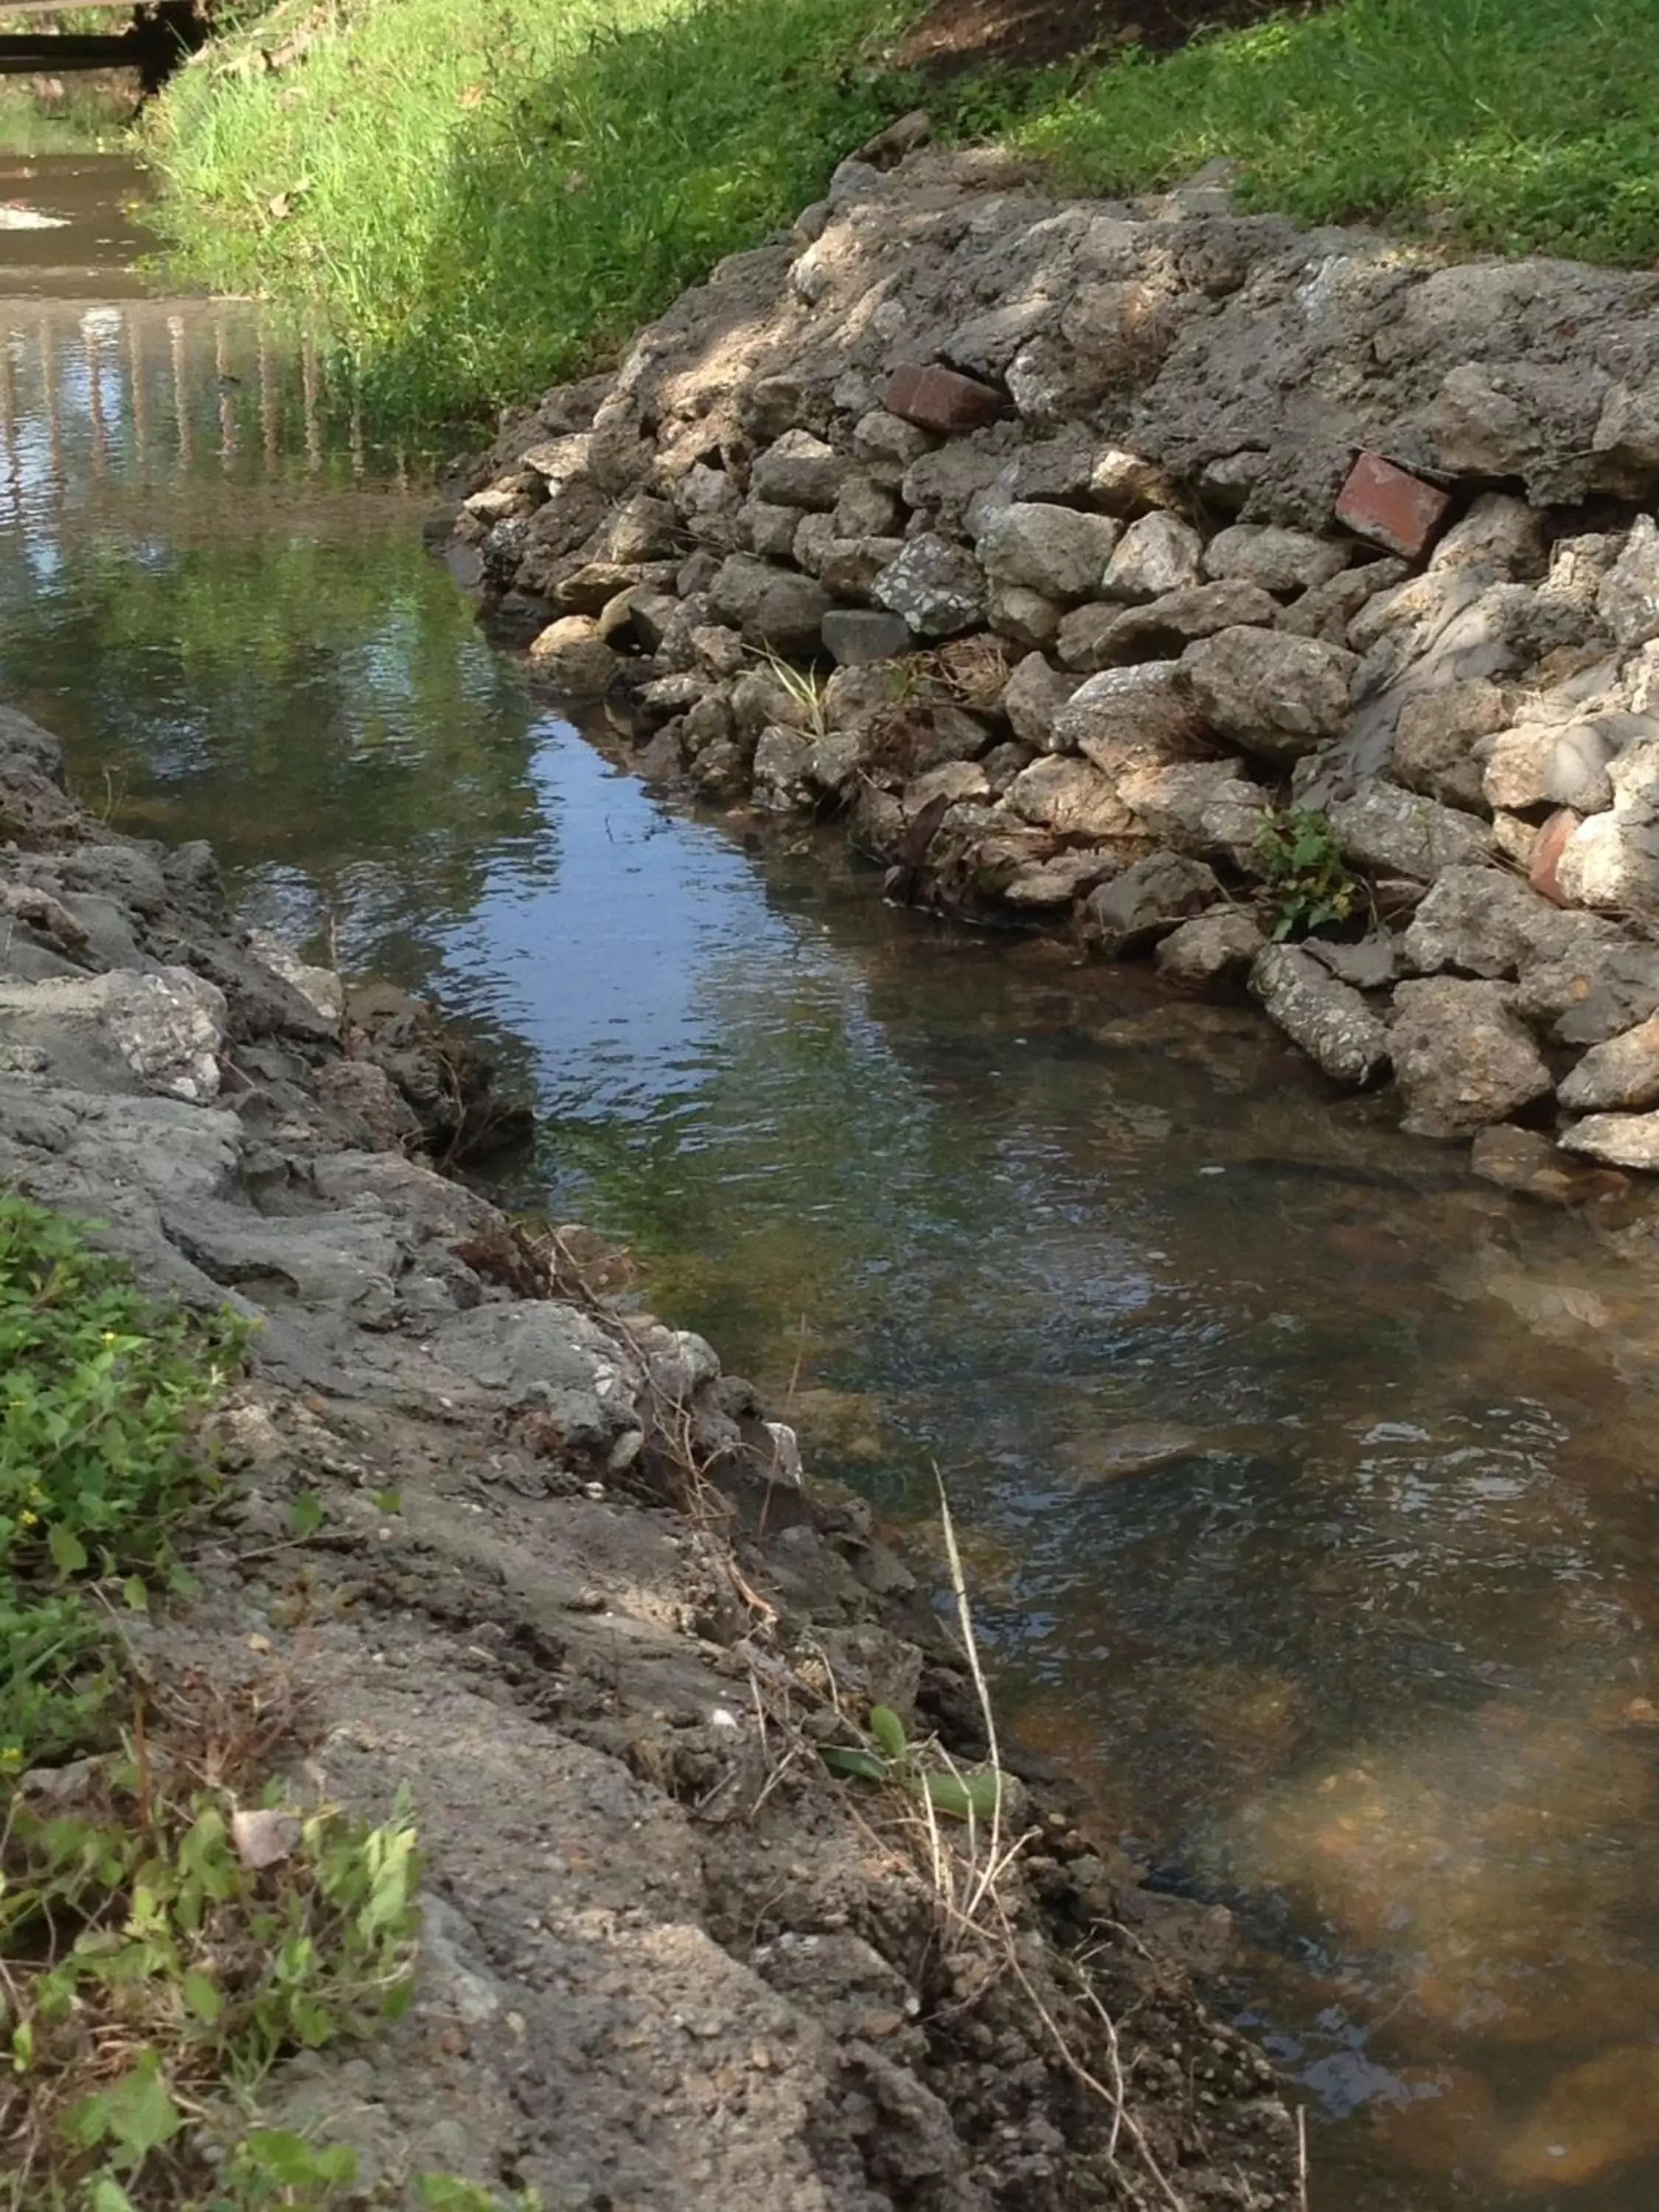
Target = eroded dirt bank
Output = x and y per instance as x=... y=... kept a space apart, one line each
x=563 y=1584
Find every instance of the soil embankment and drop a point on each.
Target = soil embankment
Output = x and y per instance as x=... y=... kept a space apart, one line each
x=559 y=1576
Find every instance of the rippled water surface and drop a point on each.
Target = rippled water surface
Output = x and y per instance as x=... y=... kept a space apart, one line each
x=1310 y=1486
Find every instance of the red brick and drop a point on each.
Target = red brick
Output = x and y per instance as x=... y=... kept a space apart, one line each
x=1547 y=849
x=1390 y=506
x=940 y=400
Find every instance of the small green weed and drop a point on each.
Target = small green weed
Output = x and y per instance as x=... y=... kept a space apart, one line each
x=97 y=1463
x=162 y=1952
x=891 y=1757
x=1312 y=885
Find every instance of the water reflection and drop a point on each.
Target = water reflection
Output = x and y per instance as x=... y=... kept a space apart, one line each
x=1306 y=1483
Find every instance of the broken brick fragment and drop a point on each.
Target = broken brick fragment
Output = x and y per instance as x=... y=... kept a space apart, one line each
x=942 y=400
x=1391 y=506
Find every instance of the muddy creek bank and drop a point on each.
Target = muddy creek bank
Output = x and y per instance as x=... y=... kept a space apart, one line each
x=1304 y=1477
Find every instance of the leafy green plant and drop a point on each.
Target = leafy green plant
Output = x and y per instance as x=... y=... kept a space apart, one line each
x=890 y=1757
x=97 y=1462
x=162 y=1950
x=1313 y=887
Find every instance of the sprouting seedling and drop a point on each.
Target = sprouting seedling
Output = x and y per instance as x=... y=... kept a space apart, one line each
x=892 y=1757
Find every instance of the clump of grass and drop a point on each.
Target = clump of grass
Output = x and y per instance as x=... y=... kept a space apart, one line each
x=97 y=1465
x=1507 y=126
x=477 y=199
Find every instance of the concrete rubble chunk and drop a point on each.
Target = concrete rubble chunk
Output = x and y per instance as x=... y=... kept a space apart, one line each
x=1436 y=738
x=1157 y=555
x=942 y=400
x=1279 y=560
x=1056 y=550
x=1610 y=863
x=1390 y=506
x=1022 y=616
x=1127 y=483
x=1070 y=796
x=1131 y=717
x=1211 y=948
x=1276 y=695
x=1499 y=531
x=1462 y=1058
x=1109 y=636
x=1329 y=1020
x=771 y=606
x=1628 y=599
x=1326 y=610
x=853 y=636
x=1617 y=1076
x=1148 y=900
x=1032 y=699
x=935 y=585
x=1559 y=764
x=1485 y=921
x=1591 y=992
x=1401 y=833
x=885 y=446
x=1204 y=807
x=1617 y=1140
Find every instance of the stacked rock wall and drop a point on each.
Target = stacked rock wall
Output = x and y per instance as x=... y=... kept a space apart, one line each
x=1080 y=551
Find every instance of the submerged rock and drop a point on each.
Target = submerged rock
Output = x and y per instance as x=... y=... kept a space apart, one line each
x=1462 y=1058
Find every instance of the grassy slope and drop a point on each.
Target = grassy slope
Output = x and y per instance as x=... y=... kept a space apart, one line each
x=482 y=195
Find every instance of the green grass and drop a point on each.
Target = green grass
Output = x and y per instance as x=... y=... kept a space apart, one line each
x=477 y=196
x=1512 y=126
x=97 y=1467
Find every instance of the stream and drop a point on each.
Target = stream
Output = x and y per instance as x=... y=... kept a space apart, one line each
x=1307 y=1486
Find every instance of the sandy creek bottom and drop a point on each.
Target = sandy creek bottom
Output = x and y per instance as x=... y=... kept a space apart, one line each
x=1310 y=1487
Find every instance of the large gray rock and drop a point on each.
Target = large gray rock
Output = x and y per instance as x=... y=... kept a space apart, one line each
x=1628 y=600
x=1462 y=1059
x=1023 y=616
x=1611 y=865
x=1279 y=560
x=935 y=585
x=1331 y=1022
x=1401 y=833
x=1620 y=1074
x=1499 y=531
x=1276 y=695
x=799 y=470
x=773 y=607
x=162 y=1031
x=1211 y=948
x=1592 y=991
x=1436 y=736
x=855 y=635
x=1032 y=699
x=1544 y=763
x=1485 y=921
x=1054 y=551
x=1202 y=807
x=1617 y=1140
x=1148 y=900
x=1131 y=718
x=1159 y=554
x=1326 y=610
x=1071 y=796
x=1097 y=637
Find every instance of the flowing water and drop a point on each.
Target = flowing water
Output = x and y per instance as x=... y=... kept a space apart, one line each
x=1309 y=1486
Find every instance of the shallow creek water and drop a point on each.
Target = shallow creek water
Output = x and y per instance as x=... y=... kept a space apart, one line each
x=1309 y=1486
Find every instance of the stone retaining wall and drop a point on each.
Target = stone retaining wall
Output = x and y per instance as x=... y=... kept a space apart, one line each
x=1072 y=550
